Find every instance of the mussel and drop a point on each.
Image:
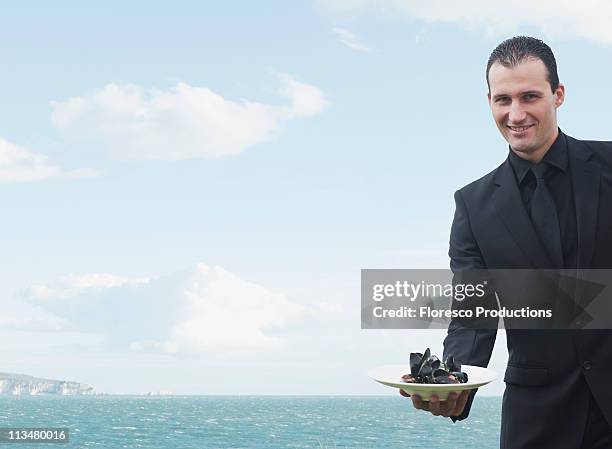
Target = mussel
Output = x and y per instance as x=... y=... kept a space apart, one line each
x=460 y=376
x=415 y=360
x=451 y=364
x=426 y=368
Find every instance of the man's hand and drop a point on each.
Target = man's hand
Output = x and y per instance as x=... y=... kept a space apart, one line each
x=453 y=406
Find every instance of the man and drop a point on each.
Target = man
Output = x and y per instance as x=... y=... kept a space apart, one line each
x=549 y=205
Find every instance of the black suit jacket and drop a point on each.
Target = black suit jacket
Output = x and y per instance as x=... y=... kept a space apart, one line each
x=550 y=373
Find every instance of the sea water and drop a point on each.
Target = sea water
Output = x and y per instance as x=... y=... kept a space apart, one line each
x=215 y=422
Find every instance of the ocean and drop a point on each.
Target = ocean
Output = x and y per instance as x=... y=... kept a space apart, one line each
x=253 y=422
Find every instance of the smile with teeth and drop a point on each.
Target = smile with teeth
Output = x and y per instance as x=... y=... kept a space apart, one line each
x=519 y=129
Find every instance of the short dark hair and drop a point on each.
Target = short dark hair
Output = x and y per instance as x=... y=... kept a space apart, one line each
x=515 y=50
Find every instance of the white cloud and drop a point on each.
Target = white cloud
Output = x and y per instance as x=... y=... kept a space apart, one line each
x=37 y=320
x=78 y=286
x=183 y=123
x=204 y=310
x=559 y=18
x=19 y=164
x=230 y=314
x=350 y=40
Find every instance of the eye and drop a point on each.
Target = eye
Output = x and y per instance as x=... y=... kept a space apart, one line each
x=530 y=96
x=502 y=100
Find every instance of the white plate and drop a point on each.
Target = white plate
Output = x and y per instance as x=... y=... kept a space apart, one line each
x=391 y=376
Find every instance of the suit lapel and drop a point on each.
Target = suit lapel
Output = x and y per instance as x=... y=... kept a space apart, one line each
x=510 y=207
x=585 y=182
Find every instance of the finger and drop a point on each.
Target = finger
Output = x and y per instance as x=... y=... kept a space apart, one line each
x=461 y=401
x=417 y=402
x=403 y=393
x=434 y=405
x=449 y=404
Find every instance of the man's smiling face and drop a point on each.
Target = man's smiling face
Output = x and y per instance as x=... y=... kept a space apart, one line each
x=524 y=107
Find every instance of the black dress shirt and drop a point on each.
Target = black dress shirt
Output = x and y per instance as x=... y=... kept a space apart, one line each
x=559 y=183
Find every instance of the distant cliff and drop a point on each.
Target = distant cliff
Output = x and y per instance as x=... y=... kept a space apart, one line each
x=20 y=384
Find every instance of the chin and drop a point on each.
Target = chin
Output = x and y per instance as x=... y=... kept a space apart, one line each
x=521 y=147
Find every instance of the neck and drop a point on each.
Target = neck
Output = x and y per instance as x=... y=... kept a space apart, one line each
x=538 y=154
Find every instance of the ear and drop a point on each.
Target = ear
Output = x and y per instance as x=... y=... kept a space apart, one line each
x=489 y=98
x=559 y=95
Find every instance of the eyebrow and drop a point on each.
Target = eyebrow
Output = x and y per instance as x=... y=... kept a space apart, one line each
x=527 y=92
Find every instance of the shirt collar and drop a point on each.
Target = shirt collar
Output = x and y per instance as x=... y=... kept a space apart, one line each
x=556 y=156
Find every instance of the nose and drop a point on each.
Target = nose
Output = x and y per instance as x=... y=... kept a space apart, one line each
x=517 y=113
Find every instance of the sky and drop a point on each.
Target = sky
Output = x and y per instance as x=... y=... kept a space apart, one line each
x=191 y=189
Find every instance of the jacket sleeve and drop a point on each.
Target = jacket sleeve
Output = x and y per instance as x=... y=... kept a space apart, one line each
x=470 y=346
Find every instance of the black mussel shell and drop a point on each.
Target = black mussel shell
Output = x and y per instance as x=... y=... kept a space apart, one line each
x=423 y=361
x=461 y=376
x=440 y=372
x=428 y=369
x=415 y=361
x=452 y=364
x=449 y=362
x=425 y=370
x=427 y=354
x=435 y=362
x=444 y=380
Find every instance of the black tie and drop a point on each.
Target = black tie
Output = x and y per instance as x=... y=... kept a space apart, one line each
x=544 y=217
